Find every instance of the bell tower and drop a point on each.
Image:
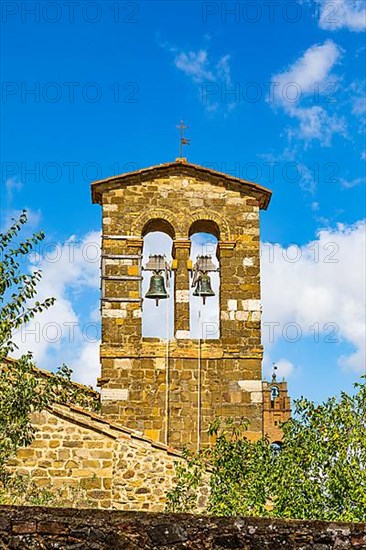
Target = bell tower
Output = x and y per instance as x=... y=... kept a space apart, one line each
x=172 y=390
x=276 y=408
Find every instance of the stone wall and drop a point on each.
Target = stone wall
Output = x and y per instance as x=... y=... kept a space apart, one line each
x=113 y=466
x=180 y=200
x=42 y=528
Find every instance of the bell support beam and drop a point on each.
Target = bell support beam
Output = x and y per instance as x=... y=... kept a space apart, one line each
x=181 y=253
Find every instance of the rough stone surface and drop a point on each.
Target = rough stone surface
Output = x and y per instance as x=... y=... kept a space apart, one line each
x=114 y=467
x=164 y=402
x=146 y=387
x=106 y=530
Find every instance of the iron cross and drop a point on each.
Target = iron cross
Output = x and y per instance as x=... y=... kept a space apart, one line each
x=182 y=141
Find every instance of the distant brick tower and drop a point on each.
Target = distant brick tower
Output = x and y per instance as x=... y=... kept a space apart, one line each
x=276 y=408
x=173 y=395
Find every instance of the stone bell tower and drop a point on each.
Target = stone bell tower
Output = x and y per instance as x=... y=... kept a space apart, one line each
x=276 y=408
x=172 y=392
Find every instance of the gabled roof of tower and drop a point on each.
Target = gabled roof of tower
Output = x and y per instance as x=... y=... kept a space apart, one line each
x=180 y=167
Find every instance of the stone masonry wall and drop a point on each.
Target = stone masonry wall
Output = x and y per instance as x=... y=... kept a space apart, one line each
x=115 y=468
x=134 y=375
x=42 y=528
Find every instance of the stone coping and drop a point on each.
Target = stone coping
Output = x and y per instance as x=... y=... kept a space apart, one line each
x=39 y=527
x=178 y=168
x=99 y=424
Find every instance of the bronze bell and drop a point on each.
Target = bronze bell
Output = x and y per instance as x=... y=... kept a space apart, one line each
x=157 y=290
x=203 y=287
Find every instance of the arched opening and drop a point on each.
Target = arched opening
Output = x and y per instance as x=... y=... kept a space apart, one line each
x=205 y=318
x=275 y=392
x=157 y=322
x=276 y=447
x=158 y=225
x=205 y=226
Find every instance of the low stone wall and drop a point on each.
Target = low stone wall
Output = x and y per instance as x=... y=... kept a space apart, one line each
x=51 y=528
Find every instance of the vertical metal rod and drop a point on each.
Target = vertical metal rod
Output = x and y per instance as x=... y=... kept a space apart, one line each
x=167 y=381
x=199 y=384
x=102 y=269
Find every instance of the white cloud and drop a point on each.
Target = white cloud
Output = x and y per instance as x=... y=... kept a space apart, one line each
x=12 y=185
x=155 y=319
x=348 y=184
x=313 y=67
x=325 y=285
x=306 y=79
x=86 y=366
x=284 y=368
x=195 y=65
x=357 y=99
x=212 y=77
x=9 y=215
x=62 y=334
x=315 y=123
x=359 y=105
x=338 y=14
x=204 y=318
x=223 y=70
x=321 y=282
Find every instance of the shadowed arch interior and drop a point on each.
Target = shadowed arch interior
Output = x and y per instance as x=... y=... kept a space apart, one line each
x=158 y=225
x=204 y=226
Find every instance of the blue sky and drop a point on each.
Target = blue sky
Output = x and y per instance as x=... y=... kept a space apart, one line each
x=272 y=93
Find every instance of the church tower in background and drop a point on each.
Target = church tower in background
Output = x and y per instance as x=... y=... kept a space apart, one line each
x=276 y=408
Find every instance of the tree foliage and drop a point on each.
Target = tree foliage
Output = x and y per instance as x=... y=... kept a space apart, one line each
x=320 y=472
x=17 y=289
x=20 y=391
x=24 y=389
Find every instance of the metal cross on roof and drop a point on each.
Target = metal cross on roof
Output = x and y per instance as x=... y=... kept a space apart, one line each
x=182 y=141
